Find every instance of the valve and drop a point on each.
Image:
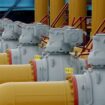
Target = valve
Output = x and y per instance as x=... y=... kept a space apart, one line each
x=10 y=36
x=32 y=33
x=57 y=59
x=64 y=39
x=96 y=56
x=3 y=23
x=55 y=66
x=28 y=43
x=90 y=86
x=84 y=89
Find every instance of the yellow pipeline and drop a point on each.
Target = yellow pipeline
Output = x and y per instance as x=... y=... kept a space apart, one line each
x=18 y=73
x=55 y=8
x=43 y=93
x=41 y=9
x=4 y=59
x=77 y=8
x=98 y=14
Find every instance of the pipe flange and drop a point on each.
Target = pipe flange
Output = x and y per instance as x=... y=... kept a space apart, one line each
x=34 y=68
x=9 y=56
x=73 y=90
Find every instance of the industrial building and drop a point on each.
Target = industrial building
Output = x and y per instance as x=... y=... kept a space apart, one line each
x=52 y=52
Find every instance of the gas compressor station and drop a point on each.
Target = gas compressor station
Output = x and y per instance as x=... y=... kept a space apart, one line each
x=52 y=52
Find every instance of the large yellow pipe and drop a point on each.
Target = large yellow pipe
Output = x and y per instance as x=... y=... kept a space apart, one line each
x=77 y=8
x=4 y=59
x=41 y=9
x=98 y=14
x=18 y=73
x=46 y=93
x=55 y=8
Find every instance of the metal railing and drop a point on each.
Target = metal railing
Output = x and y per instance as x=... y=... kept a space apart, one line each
x=45 y=19
x=100 y=29
x=79 y=22
x=61 y=13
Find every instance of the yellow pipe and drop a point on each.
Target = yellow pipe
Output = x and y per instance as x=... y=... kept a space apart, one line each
x=94 y=17
x=98 y=14
x=41 y=9
x=77 y=8
x=55 y=8
x=18 y=73
x=43 y=93
x=4 y=58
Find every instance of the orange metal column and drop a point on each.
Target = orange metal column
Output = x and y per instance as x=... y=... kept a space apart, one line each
x=98 y=14
x=55 y=8
x=41 y=9
x=77 y=8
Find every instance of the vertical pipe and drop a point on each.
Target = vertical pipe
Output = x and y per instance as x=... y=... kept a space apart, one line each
x=98 y=14
x=77 y=8
x=41 y=9
x=94 y=17
x=55 y=7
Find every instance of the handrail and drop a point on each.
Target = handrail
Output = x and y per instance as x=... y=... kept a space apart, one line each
x=82 y=20
x=90 y=42
x=59 y=15
x=103 y=30
x=44 y=19
x=75 y=21
x=65 y=23
x=100 y=26
x=79 y=21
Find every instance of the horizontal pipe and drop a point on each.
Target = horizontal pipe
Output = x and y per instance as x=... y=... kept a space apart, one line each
x=41 y=93
x=17 y=73
x=4 y=59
